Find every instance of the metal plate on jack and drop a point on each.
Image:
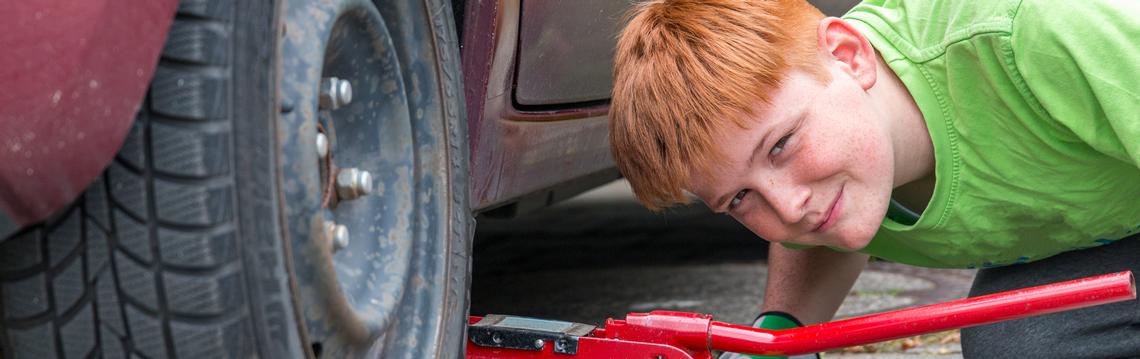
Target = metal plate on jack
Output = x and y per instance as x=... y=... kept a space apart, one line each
x=504 y=331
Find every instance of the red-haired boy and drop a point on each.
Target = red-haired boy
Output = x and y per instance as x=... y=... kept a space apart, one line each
x=999 y=134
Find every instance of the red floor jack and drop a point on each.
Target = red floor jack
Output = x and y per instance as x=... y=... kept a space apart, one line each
x=676 y=335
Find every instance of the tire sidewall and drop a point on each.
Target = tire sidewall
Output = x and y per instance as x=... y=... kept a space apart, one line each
x=456 y=250
x=256 y=111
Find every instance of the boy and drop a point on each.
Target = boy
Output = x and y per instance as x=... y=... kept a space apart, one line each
x=1001 y=134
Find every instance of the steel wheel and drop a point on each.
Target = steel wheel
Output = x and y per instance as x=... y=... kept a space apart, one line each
x=373 y=160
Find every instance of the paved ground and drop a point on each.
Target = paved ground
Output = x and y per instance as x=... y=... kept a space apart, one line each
x=601 y=255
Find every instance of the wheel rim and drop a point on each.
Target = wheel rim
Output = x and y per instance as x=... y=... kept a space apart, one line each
x=372 y=134
x=349 y=298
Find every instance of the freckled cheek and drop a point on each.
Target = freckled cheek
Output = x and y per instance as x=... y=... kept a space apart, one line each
x=853 y=147
x=848 y=134
x=874 y=161
x=862 y=147
x=823 y=157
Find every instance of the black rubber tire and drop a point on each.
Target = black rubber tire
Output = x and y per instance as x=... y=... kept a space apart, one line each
x=179 y=250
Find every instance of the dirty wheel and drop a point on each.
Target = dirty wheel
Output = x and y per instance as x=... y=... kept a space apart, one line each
x=374 y=162
x=257 y=207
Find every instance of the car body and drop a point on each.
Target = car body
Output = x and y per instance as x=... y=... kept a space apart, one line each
x=537 y=82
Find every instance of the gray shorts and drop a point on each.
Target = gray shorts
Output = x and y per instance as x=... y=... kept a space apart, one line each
x=1106 y=331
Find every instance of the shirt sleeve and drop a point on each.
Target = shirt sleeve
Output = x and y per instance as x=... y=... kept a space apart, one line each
x=1081 y=60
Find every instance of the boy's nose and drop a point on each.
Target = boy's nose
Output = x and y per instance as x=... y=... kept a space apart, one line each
x=789 y=202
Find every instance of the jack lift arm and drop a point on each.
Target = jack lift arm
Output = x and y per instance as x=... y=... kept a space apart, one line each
x=677 y=335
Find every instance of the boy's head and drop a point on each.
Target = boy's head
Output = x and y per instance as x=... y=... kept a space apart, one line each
x=758 y=107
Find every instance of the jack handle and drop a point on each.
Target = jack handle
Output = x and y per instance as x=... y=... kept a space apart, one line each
x=698 y=334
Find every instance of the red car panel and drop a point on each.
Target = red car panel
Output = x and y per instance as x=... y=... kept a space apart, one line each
x=72 y=75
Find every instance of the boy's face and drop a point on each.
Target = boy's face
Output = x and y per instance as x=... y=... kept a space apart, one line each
x=816 y=166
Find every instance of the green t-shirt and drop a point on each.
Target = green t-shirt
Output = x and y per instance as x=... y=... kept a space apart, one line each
x=1033 y=108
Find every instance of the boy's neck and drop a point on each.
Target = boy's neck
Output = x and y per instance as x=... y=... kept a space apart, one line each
x=913 y=149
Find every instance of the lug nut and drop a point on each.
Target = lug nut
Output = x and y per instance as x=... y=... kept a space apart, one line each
x=352 y=183
x=322 y=145
x=335 y=93
x=339 y=235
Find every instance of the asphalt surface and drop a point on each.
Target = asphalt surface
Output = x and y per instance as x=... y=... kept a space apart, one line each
x=602 y=255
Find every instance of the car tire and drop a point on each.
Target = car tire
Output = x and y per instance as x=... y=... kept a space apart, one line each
x=208 y=235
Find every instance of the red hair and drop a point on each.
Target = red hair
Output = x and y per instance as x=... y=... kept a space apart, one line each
x=684 y=70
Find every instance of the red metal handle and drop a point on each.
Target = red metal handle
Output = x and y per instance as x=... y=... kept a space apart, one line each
x=677 y=335
x=962 y=313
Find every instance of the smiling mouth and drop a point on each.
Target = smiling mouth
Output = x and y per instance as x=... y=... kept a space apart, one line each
x=829 y=218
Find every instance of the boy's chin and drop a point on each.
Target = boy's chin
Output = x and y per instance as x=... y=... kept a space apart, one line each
x=850 y=247
x=842 y=243
x=854 y=240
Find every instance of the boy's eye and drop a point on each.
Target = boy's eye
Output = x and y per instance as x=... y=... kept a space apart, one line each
x=739 y=197
x=779 y=146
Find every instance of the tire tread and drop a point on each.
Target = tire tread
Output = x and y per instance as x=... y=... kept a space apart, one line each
x=146 y=263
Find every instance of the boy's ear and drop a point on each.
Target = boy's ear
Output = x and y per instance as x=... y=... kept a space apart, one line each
x=843 y=45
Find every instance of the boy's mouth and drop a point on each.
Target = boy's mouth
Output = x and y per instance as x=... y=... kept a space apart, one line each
x=832 y=213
